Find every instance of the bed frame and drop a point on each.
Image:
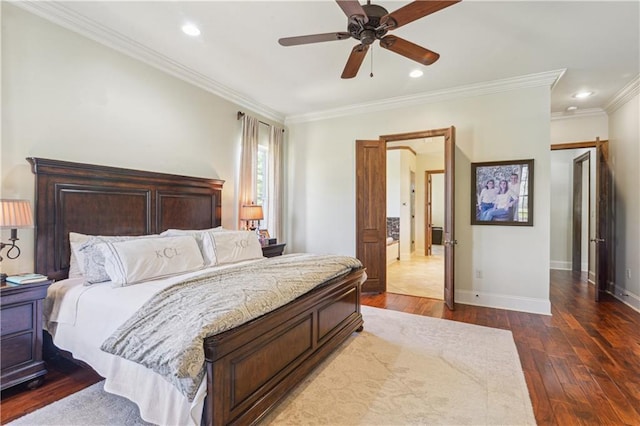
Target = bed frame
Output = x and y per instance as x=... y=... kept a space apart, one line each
x=250 y=368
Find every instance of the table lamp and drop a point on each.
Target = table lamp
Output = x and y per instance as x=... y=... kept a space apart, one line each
x=14 y=214
x=251 y=213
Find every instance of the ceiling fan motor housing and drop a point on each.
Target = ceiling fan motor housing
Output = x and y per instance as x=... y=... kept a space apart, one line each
x=369 y=32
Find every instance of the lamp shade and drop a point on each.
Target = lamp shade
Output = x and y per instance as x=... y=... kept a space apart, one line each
x=15 y=214
x=251 y=212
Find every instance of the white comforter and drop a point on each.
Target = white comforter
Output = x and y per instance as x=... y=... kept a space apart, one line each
x=81 y=317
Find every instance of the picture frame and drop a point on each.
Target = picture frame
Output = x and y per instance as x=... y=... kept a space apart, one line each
x=264 y=234
x=502 y=193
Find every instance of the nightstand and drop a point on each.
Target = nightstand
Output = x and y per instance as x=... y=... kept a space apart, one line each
x=21 y=334
x=273 y=250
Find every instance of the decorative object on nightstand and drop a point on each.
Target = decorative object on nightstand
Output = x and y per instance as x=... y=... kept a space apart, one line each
x=14 y=214
x=250 y=213
x=21 y=336
x=273 y=250
x=264 y=237
x=26 y=279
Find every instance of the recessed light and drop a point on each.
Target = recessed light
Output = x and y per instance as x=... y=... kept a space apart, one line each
x=572 y=108
x=582 y=95
x=190 y=29
x=416 y=73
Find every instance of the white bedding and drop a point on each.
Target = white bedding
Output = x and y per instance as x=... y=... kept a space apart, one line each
x=81 y=317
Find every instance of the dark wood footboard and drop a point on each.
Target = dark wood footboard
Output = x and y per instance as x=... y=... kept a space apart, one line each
x=252 y=367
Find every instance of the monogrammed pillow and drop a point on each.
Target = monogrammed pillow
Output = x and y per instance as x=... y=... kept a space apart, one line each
x=134 y=261
x=203 y=237
x=236 y=246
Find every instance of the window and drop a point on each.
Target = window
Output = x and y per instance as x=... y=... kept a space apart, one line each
x=262 y=173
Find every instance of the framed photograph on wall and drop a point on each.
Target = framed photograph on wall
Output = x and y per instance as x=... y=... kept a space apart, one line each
x=502 y=193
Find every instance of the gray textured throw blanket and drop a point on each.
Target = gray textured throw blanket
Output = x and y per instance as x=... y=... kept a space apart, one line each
x=167 y=333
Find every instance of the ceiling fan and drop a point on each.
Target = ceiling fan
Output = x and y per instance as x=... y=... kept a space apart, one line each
x=371 y=22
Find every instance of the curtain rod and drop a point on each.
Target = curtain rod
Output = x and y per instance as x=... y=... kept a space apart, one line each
x=242 y=114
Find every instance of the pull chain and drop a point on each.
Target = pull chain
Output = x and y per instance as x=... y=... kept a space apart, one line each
x=371 y=74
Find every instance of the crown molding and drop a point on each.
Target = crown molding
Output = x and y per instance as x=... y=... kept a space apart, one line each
x=579 y=113
x=624 y=95
x=71 y=20
x=548 y=79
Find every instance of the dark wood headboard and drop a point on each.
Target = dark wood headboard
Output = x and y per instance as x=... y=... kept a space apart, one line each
x=100 y=200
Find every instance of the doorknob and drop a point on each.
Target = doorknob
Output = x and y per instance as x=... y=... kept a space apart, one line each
x=597 y=240
x=450 y=243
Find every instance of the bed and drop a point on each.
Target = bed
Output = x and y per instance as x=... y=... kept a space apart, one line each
x=249 y=368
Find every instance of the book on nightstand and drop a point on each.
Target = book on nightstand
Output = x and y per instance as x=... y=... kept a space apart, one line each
x=25 y=279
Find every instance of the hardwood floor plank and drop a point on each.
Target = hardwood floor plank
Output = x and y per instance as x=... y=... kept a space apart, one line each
x=62 y=379
x=539 y=399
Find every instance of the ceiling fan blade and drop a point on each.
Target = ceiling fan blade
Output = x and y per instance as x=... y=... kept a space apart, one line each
x=409 y=50
x=353 y=8
x=313 y=38
x=414 y=10
x=355 y=60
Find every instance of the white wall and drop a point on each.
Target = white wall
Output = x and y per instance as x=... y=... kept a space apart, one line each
x=69 y=98
x=512 y=260
x=393 y=183
x=407 y=165
x=437 y=199
x=624 y=137
x=426 y=162
x=579 y=127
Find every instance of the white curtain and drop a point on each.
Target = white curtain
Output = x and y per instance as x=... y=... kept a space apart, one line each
x=275 y=182
x=248 y=161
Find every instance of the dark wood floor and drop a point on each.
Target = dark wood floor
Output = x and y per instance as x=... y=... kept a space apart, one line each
x=582 y=364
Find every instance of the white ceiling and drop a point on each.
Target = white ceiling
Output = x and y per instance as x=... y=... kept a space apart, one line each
x=238 y=56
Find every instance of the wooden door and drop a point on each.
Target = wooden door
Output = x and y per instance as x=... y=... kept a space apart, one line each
x=428 y=222
x=604 y=247
x=371 y=212
x=449 y=209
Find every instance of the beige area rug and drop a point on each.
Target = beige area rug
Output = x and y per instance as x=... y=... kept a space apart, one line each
x=421 y=276
x=401 y=370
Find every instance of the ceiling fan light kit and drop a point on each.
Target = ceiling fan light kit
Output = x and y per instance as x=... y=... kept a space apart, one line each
x=370 y=22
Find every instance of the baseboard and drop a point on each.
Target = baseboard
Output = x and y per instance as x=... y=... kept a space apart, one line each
x=502 y=301
x=560 y=265
x=625 y=296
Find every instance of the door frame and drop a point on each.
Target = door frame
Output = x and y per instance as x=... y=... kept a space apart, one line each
x=449 y=135
x=604 y=226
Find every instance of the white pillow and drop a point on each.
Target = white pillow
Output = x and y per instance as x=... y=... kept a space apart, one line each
x=203 y=237
x=76 y=261
x=93 y=260
x=236 y=246
x=221 y=229
x=133 y=261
